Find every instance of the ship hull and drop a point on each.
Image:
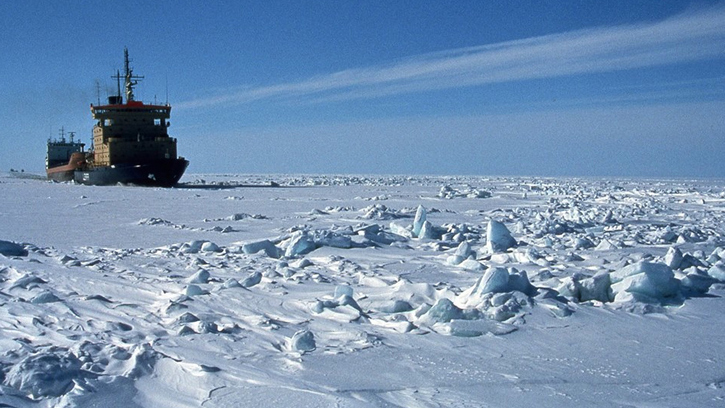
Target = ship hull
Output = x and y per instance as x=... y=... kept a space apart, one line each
x=56 y=174
x=164 y=173
x=67 y=172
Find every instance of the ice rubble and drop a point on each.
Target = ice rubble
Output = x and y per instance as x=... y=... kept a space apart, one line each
x=45 y=374
x=500 y=294
x=642 y=281
x=8 y=248
x=450 y=192
x=652 y=281
x=337 y=287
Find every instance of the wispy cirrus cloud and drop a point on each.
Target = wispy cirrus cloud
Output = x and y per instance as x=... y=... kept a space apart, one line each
x=694 y=36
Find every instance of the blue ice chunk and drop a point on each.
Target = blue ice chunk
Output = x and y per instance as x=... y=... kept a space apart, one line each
x=420 y=217
x=495 y=280
x=443 y=311
x=498 y=237
x=300 y=243
x=8 y=248
x=264 y=245
x=252 y=279
x=343 y=290
x=651 y=279
x=303 y=341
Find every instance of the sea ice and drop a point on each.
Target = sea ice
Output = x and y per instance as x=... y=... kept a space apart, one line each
x=605 y=245
x=298 y=244
x=265 y=245
x=8 y=248
x=474 y=328
x=427 y=231
x=231 y=283
x=303 y=341
x=464 y=250
x=450 y=192
x=46 y=374
x=472 y=265
x=395 y=306
x=341 y=290
x=192 y=247
x=201 y=276
x=717 y=271
x=498 y=237
x=653 y=280
x=133 y=317
x=375 y=233
x=27 y=282
x=194 y=290
x=697 y=281
x=210 y=247
x=402 y=231
x=673 y=258
x=253 y=279
x=45 y=296
x=442 y=311
x=597 y=287
x=331 y=239
x=497 y=280
x=419 y=220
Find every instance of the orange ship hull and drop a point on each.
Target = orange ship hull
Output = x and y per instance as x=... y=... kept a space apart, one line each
x=66 y=172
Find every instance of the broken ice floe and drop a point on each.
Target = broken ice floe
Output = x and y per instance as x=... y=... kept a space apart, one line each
x=302 y=341
x=646 y=281
x=597 y=287
x=194 y=290
x=382 y=212
x=450 y=192
x=243 y=216
x=571 y=248
x=717 y=271
x=302 y=242
x=341 y=308
x=498 y=237
x=252 y=280
x=201 y=276
x=45 y=374
x=421 y=228
x=45 y=296
x=8 y=248
x=265 y=245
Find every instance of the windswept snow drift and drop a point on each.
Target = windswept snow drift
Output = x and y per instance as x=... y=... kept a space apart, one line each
x=359 y=291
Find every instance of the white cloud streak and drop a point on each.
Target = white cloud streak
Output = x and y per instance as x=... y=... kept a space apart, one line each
x=695 y=36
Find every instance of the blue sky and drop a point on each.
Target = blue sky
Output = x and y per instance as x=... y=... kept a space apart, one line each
x=560 y=88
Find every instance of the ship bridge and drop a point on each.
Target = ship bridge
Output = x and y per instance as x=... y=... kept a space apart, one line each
x=132 y=131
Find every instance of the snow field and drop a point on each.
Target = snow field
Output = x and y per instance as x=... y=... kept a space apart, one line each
x=363 y=291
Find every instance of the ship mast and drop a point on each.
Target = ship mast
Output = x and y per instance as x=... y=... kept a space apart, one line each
x=131 y=80
x=118 y=86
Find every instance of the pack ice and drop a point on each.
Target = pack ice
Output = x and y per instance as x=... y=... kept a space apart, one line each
x=358 y=291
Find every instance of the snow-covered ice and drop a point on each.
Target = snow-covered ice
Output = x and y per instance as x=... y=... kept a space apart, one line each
x=356 y=291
